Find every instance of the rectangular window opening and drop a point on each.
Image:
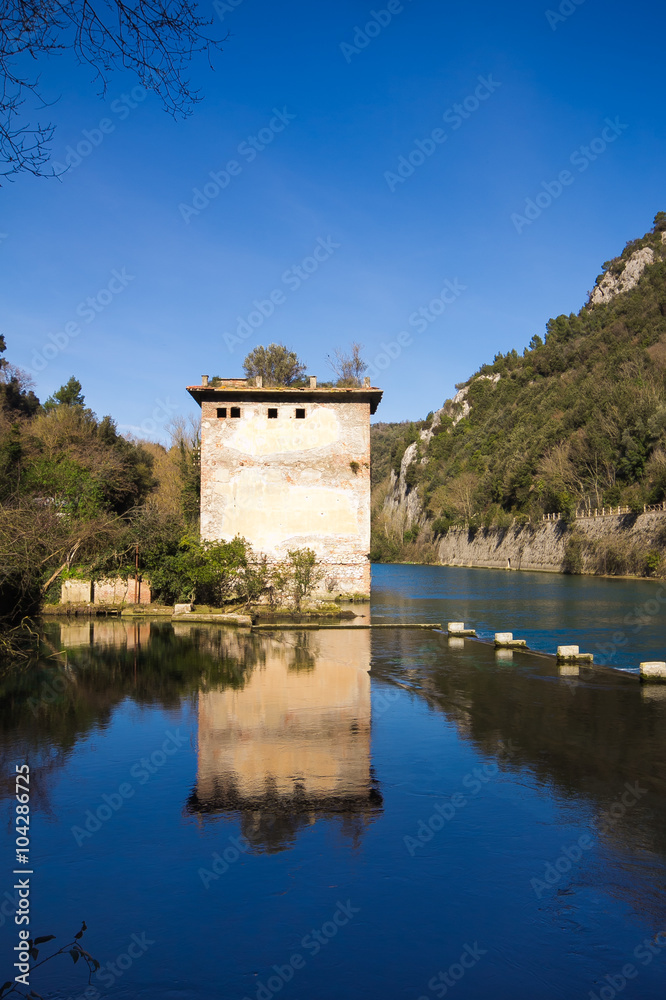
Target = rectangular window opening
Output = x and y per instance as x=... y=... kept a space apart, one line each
x=221 y=411
x=300 y=414
x=272 y=414
x=235 y=411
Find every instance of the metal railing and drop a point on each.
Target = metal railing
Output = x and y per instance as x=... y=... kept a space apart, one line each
x=607 y=511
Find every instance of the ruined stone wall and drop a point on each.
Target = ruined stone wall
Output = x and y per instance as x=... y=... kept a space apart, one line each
x=289 y=483
x=76 y=592
x=109 y=591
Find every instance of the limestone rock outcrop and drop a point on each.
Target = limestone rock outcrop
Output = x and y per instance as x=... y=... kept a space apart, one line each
x=612 y=284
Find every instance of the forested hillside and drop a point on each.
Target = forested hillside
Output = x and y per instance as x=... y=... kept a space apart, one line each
x=577 y=420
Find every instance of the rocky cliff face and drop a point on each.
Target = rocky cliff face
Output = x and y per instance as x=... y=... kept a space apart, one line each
x=614 y=284
x=546 y=546
x=539 y=547
x=402 y=501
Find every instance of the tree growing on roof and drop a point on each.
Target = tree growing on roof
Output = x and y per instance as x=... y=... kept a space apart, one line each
x=276 y=364
x=348 y=367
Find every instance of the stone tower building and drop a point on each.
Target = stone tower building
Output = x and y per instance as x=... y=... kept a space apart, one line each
x=289 y=468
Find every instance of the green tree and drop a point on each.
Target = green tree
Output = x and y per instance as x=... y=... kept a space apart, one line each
x=276 y=364
x=253 y=579
x=660 y=222
x=304 y=574
x=16 y=396
x=205 y=572
x=69 y=394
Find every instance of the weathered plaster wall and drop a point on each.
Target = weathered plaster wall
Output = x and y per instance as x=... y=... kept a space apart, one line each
x=76 y=592
x=541 y=546
x=111 y=591
x=288 y=483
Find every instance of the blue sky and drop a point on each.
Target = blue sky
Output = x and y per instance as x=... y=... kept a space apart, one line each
x=318 y=122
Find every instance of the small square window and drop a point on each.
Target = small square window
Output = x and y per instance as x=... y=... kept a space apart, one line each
x=221 y=411
x=300 y=414
x=235 y=411
x=272 y=414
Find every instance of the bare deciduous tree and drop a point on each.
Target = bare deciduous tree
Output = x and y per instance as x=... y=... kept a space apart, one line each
x=155 y=39
x=461 y=493
x=348 y=367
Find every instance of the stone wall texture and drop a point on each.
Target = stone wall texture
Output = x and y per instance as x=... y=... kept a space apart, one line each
x=541 y=546
x=285 y=483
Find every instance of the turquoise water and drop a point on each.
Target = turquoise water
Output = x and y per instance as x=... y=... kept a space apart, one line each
x=364 y=814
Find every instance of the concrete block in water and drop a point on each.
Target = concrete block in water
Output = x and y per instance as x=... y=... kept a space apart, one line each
x=654 y=671
x=458 y=628
x=569 y=670
x=572 y=654
x=236 y=620
x=456 y=643
x=505 y=640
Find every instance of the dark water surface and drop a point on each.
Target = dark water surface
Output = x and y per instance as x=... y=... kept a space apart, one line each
x=348 y=814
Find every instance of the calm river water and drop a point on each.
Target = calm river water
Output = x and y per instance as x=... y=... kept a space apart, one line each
x=329 y=814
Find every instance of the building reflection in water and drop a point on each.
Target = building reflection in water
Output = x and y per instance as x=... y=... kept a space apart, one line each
x=292 y=746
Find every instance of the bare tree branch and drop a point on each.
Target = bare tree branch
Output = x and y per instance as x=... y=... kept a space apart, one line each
x=348 y=367
x=154 y=39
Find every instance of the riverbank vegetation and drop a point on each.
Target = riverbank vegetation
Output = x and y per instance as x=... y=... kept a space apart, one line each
x=576 y=421
x=76 y=496
x=79 y=500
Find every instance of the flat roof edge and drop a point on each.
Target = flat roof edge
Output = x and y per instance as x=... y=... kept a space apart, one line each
x=209 y=393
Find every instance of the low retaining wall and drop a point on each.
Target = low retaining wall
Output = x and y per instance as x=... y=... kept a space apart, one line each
x=110 y=591
x=541 y=546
